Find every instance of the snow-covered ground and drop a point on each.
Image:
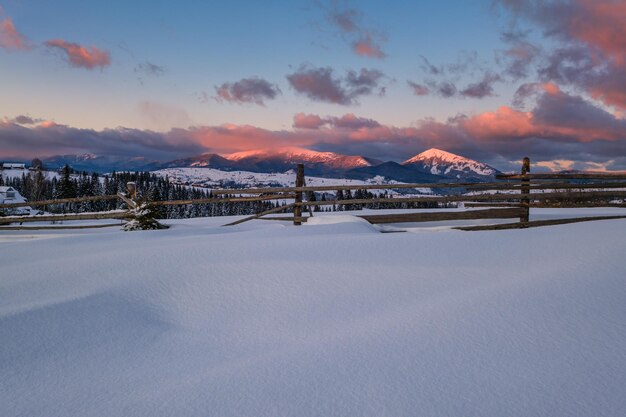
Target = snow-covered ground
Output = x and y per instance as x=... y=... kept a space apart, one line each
x=215 y=178
x=331 y=318
x=17 y=173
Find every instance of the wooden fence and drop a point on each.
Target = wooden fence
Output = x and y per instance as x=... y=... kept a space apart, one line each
x=511 y=197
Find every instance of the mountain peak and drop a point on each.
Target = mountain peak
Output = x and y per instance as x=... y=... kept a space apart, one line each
x=287 y=156
x=434 y=153
x=438 y=162
x=291 y=151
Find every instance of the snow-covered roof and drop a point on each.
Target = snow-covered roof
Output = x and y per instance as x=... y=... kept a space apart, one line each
x=4 y=189
x=13 y=165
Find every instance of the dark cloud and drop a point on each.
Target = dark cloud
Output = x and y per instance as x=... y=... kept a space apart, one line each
x=150 y=69
x=319 y=84
x=523 y=93
x=590 y=54
x=466 y=63
x=345 y=20
x=248 y=90
x=418 y=89
x=571 y=64
x=365 y=41
x=364 y=82
x=25 y=120
x=443 y=79
x=519 y=59
x=576 y=113
x=444 y=89
x=429 y=68
x=350 y=121
x=483 y=88
x=49 y=139
x=347 y=121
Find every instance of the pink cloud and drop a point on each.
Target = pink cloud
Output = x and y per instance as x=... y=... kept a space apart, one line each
x=308 y=121
x=601 y=23
x=592 y=51
x=79 y=56
x=10 y=38
x=504 y=122
x=367 y=47
x=559 y=127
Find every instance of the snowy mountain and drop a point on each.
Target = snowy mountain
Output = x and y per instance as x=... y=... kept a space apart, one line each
x=433 y=165
x=206 y=160
x=451 y=166
x=99 y=163
x=282 y=159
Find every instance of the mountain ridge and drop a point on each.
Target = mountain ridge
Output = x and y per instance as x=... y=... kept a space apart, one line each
x=432 y=165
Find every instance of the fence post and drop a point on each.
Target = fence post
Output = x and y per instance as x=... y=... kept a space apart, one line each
x=132 y=190
x=297 y=210
x=525 y=200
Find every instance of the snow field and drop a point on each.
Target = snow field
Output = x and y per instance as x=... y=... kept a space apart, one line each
x=332 y=318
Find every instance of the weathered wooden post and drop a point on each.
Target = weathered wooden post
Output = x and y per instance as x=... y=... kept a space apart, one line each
x=525 y=200
x=132 y=190
x=297 y=210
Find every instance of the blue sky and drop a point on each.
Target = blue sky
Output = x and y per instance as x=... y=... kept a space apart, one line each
x=203 y=44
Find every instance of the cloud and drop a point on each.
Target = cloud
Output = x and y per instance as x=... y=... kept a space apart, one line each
x=365 y=41
x=443 y=79
x=591 y=44
x=560 y=127
x=366 y=46
x=445 y=89
x=150 y=69
x=348 y=121
x=483 y=88
x=79 y=56
x=345 y=19
x=418 y=89
x=365 y=82
x=429 y=68
x=24 y=120
x=308 y=121
x=49 y=139
x=319 y=84
x=10 y=38
x=519 y=59
x=248 y=90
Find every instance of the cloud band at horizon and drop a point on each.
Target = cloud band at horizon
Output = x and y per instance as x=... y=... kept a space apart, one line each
x=499 y=138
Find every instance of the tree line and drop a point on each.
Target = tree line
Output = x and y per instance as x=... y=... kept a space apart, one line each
x=35 y=185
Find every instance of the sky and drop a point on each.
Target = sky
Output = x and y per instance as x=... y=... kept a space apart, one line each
x=494 y=80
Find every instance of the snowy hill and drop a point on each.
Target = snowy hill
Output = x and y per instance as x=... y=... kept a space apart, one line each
x=216 y=178
x=99 y=163
x=395 y=171
x=438 y=162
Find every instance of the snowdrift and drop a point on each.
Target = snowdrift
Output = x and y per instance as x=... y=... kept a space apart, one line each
x=329 y=319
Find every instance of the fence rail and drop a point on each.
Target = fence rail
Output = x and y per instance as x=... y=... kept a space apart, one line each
x=513 y=197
